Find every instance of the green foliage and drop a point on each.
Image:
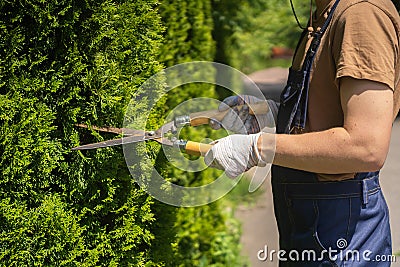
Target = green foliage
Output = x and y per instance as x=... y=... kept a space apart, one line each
x=206 y=239
x=48 y=233
x=64 y=62
x=188 y=31
x=206 y=235
x=247 y=30
x=240 y=195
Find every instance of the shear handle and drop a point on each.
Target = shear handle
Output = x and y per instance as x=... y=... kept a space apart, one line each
x=203 y=117
x=193 y=148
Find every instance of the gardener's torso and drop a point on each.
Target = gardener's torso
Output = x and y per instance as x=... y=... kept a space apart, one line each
x=341 y=54
x=316 y=216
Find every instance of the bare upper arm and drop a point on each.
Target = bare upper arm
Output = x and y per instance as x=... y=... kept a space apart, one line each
x=368 y=113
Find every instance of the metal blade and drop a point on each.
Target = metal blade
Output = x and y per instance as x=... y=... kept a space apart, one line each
x=125 y=131
x=108 y=143
x=166 y=128
x=124 y=140
x=133 y=136
x=116 y=142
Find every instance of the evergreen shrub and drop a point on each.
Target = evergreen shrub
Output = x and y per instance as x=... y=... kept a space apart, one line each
x=64 y=62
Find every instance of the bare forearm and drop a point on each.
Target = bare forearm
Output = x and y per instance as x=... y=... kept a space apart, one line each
x=361 y=145
x=332 y=151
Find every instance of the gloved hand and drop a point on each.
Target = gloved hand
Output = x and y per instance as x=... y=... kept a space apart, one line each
x=235 y=154
x=242 y=121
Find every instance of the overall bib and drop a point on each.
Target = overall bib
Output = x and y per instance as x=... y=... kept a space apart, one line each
x=344 y=223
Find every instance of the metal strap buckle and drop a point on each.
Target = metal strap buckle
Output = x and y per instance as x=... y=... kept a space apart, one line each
x=297 y=130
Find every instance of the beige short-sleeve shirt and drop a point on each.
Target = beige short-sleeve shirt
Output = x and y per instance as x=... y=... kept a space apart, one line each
x=362 y=41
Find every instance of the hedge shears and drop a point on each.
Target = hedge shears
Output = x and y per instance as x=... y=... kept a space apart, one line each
x=166 y=133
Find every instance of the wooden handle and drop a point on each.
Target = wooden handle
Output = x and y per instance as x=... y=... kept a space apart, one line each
x=197 y=149
x=203 y=117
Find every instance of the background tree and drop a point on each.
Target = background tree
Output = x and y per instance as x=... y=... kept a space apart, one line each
x=246 y=31
x=206 y=235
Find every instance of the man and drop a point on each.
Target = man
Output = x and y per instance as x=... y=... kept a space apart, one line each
x=333 y=133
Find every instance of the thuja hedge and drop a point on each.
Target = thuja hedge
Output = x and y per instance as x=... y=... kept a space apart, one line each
x=68 y=62
x=206 y=235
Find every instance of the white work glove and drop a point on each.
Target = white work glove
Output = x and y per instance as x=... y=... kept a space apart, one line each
x=241 y=121
x=235 y=154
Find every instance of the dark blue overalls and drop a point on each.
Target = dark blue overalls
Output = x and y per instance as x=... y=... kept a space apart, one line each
x=343 y=223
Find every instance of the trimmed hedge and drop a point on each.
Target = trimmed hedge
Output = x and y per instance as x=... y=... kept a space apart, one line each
x=64 y=62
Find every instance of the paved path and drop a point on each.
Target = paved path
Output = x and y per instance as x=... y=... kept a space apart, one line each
x=258 y=223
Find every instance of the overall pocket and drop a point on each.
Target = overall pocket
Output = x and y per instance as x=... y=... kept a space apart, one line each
x=335 y=225
x=321 y=229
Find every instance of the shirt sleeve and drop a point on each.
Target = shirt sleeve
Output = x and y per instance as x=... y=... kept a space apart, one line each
x=365 y=44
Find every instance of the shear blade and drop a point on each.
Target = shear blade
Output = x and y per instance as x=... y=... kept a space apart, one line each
x=133 y=136
x=115 y=142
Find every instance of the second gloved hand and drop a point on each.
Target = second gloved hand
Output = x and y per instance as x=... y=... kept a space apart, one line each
x=235 y=154
x=241 y=121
